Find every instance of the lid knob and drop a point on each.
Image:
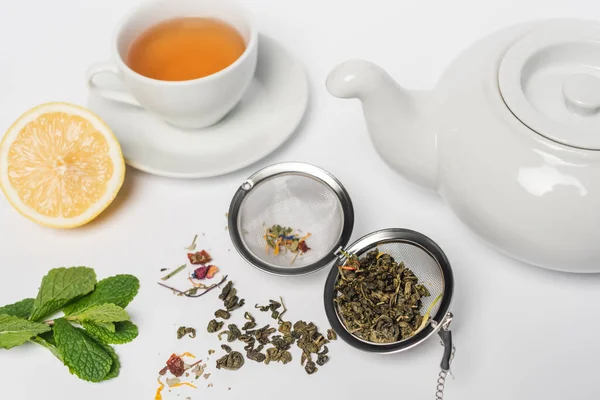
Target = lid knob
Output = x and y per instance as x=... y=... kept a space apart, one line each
x=582 y=94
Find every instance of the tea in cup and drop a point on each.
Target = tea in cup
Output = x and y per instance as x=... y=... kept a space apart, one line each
x=187 y=61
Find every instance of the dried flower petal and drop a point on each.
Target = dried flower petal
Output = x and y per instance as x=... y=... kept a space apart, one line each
x=176 y=365
x=212 y=271
x=161 y=386
x=200 y=273
x=200 y=257
x=173 y=381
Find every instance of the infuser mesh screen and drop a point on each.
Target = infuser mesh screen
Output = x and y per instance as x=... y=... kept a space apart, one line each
x=293 y=200
x=421 y=263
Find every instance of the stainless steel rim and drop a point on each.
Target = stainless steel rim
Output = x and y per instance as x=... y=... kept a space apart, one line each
x=368 y=242
x=271 y=172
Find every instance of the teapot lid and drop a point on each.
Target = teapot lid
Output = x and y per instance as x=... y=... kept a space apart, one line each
x=550 y=80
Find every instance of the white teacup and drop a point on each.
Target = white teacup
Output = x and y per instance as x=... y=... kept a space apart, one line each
x=185 y=104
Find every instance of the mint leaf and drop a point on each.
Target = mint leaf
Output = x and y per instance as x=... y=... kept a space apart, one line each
x=82 y=354
x=119 y=290
x=103 y=313
x=124 y=332
x=61 y=286
x=15 y=331
x=109 y=326
x=47 y=340
x=116 y=365
x=21 y=309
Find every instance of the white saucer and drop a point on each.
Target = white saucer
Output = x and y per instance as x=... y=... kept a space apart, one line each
x=265 y=118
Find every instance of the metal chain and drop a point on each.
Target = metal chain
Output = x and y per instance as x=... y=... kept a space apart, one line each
x=441 y=382
x=439 y=394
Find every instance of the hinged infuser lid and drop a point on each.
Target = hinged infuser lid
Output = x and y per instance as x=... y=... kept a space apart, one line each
x=550 y=80
x=299 y=196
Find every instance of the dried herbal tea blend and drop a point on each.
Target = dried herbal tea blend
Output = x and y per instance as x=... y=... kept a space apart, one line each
x=279 y=238
x=177 y=367
x=203 y=272
x=379 y=299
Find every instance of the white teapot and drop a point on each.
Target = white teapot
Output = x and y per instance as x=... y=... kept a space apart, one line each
x=510 y=138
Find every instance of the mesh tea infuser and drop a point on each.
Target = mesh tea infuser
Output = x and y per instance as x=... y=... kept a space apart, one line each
x=296 y=195
x=428 y=262
x=304 y=196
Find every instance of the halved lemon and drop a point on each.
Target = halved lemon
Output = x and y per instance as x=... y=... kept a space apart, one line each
x=60 y=165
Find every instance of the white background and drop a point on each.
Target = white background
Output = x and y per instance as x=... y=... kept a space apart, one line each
x=521 y=332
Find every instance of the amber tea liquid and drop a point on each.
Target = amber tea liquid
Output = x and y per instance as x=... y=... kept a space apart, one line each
x=185 y=48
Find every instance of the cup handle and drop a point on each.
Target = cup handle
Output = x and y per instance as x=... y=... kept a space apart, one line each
x=117 y=95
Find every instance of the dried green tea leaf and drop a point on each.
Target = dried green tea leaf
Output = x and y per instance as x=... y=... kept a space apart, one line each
x=226 y=289
x=285 y=328
x=60 y=287
x=251 y=324
x=310 y=367
x=21 y=309
x=83 y=355
x=124 y=332
x=15 y=331
x=331 y=335
x=305 y=356
x=182 y=331
x=118 y=290
x=226 y=348
x=223 y=314
x=233 y=333
x=322 y=359
x=255 y=355
x=278 y=355
x=262 y=334
x=231 y=361
x=214 y=326
x=379 y=298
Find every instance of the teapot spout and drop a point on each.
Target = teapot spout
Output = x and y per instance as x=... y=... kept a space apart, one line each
x=398 y=121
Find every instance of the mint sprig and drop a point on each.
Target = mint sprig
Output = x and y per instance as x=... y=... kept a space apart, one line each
x=98 y=307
